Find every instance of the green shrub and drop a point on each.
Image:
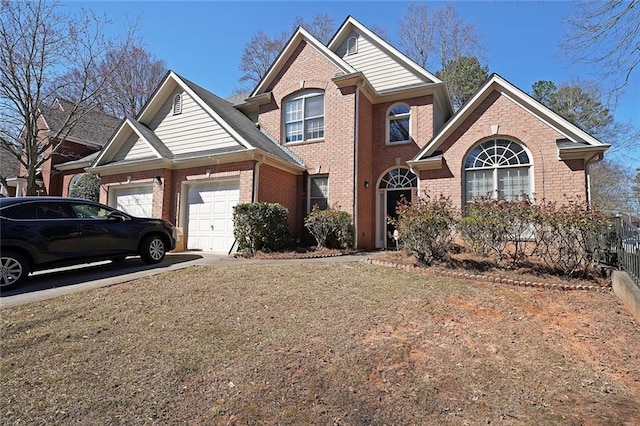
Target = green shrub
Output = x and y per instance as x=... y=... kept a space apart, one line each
x=331 y=228
x=261 y=226
x=426 y=227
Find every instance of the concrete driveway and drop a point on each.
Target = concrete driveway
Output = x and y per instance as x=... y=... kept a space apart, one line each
x=52 y=283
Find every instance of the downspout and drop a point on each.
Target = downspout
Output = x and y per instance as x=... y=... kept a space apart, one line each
x=355 y=169
x=256 y=178
x=596 y=158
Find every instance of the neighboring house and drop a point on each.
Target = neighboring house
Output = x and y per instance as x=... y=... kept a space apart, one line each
x=9 y=167
x=354 y=124
x=91 y=132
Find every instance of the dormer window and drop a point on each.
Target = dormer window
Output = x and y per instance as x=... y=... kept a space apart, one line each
x=398 y=124
x=352 y=46
x=177 y=104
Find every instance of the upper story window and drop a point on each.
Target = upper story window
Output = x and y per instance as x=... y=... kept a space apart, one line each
x=499 y=169
x=398 y=124
x=177 y=104
x=352 y=45
x=304 y=116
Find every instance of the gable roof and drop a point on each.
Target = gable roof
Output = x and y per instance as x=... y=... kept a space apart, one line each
x=240 y=127
x=300 y=35
x=95 y=127
x=350 y=24
x=576 y=138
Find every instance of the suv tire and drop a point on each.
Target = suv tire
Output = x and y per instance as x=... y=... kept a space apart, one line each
x=152 y=249
x=14 y=269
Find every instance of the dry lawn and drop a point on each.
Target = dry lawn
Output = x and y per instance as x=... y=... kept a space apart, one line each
x=344 y=343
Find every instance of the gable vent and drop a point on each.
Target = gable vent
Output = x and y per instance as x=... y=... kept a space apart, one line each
x=177 y=104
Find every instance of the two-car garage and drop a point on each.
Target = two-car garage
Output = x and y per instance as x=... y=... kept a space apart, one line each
x=207 y=215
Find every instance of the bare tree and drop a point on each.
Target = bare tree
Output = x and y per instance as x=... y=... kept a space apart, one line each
x=416 y=30
x=434 y=39
x=607 y=35
x=322 y=26
x=258 y=55
x=39 y=46
x=137 y=76
x=262 y=50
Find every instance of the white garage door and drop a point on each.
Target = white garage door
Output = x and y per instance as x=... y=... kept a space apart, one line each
x=137 y=201
x=210 y=216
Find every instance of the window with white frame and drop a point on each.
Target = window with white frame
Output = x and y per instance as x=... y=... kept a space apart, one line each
x=304 y=117
x=398 y=124
x=177 y=104
x=318 y=192
x=352 y=45
x=498 y=169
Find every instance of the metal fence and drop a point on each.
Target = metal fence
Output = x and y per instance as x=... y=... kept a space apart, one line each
x=627 y=247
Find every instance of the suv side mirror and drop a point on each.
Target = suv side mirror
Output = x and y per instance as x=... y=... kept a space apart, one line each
x=116 y=215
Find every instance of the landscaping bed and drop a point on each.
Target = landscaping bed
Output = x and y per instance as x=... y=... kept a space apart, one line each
x=330 y=343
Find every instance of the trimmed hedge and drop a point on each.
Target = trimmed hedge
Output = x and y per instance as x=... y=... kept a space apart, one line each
x=331 y=228
x=261 y=226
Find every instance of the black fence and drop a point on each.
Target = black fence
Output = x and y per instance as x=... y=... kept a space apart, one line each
x=625 y=250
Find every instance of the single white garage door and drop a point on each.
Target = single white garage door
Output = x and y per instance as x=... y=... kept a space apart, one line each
x=137 y=201
x=210 y=216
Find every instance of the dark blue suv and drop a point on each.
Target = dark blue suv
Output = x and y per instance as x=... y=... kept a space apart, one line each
x=47 y=232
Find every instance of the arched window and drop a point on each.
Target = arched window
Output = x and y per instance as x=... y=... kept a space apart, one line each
x=73 y=182
x=399 y=178
x=177 y=104
x=352 y=45
x=498 y=168
x=398 y=124
x=304 y=116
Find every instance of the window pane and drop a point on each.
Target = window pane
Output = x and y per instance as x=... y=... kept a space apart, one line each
x=513 y=183
x=315 y=128
x=294 y=132
x=314 y=106
x=293 y=111
x=400 y=109
x=399 y=130
x=479 y=183
x=319 y=192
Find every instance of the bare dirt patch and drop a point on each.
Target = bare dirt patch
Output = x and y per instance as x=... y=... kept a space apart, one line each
x=343 y=343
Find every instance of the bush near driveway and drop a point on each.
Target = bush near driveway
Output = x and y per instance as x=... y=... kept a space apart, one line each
x=261 y=226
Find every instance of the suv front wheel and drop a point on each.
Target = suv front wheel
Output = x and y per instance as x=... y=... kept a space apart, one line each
x=14 y=269
x=152 y=249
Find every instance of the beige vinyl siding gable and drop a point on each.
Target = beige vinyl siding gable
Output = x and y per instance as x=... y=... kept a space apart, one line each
x=134 y=149
x=382 y=70
x=193 y=130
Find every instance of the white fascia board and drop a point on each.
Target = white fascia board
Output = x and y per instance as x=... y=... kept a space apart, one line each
x=352 y=22
x=154 y=95
x=118 y=135
x=299 y=35
x=130 y=167
x=519 y=98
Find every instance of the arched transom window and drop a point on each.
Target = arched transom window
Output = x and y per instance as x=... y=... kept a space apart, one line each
x=398 y=124
x=499 y=169
x=399 y=178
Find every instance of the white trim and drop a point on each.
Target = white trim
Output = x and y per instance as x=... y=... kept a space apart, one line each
x=309 y=179
x=176 y=105
x=352 y=45
x=381 y=206
x=345 y=30
x=300 y=35
x=518 y=97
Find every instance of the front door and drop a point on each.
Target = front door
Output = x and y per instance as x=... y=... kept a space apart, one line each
x=394 y=197
x=397 y=184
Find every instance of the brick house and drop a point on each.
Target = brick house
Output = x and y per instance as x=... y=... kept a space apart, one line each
x=76 y=152
x=355 y=124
